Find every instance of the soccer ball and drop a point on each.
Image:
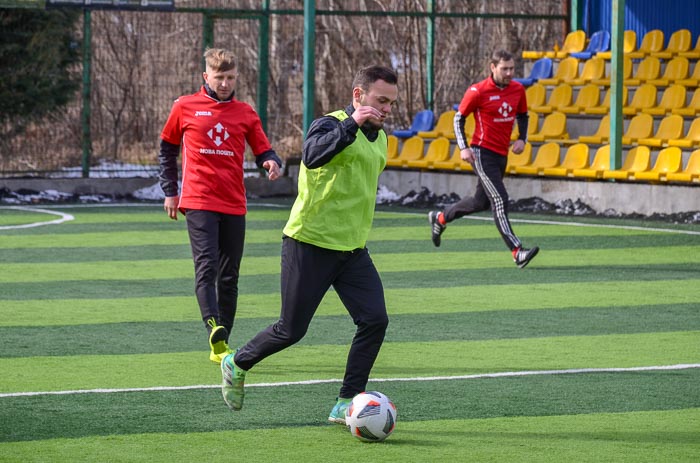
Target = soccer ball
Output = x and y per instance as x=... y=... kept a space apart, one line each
x=371 y=416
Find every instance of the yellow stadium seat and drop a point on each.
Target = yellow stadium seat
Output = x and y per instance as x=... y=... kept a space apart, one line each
x=593 y=68
x=518 y=160
x=672 y=98
x=694 y=79
x=668 y=160
x=561 y=96
x=648 y=69
x=692 y=53
x=533 y=124
x=588 y=96
x=536 y=95
x=637 y=160
x=576 y=157
x=438 y=150
x=604 y=107
x=627 y=68
x=553 y=128
x=566 y=70
x=653 y=41
x=692 y=138
x=455 y=162
x=670 y=128
x=547 y=156
x=691 y=173
x=644 y=97
x=680 y=41
x=601 y=163
x=392 y=149
x=601 y=135
x=691 y=109
x=411 y=150
x=443 y=128
x=629 y=44
x=676 y=69
x=641 y=126
x=574 y=41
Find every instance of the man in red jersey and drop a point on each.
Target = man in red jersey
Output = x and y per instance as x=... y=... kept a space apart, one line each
x=497 y=102
x=212 y=128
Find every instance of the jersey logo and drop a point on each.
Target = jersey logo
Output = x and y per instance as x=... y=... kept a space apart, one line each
x=202 y=113
x=505 y=110
x=217 y=133
x=495 y=97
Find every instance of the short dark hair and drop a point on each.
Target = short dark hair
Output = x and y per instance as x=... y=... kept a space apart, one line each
x=371 y=74
x=500 y=55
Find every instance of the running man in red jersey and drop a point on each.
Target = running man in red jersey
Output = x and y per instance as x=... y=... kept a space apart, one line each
x=212 y=128
x=497 y=103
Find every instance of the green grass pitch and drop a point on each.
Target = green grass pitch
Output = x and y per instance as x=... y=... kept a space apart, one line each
x=590 y=354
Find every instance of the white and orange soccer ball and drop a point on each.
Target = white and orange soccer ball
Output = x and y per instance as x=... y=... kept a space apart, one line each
x=371 y=416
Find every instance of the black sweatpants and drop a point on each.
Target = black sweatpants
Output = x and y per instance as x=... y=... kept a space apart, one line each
x=217 y=247
x=490 y=167
x=307 y=273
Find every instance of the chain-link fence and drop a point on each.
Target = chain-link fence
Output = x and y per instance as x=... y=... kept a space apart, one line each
x=141 y=61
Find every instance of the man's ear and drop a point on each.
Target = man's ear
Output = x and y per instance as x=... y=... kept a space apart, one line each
x=356 y=94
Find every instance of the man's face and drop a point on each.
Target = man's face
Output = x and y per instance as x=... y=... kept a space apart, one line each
x=381 y=95
x=221 y=82
x=503 y=72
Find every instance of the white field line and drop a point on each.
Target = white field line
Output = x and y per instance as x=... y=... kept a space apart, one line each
x=505 y=374
x=63 y=218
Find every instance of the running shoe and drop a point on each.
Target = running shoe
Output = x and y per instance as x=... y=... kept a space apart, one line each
x=523 y=256
x=218 y=344
x=338 y=413
x=232 y=387
x=435 y=227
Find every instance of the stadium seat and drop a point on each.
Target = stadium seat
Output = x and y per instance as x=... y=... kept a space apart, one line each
x=693 y=53
x=669 y=160
x=588 y=96
x=455 y=162
x=692 y=109
x=592 y=69
x=604 y=107
x=547 y=156
x=627 y=68
x=392 y=149
x=640 y=126
x=691 y=173
x=411 y=150
x=676 y=69
x=536 y=95
x=644 y=97
x=670 y=128
x=600 y=164
x=599 y=41
x=533 y=125
x=694 y=79
x=680 y=41
x=566 y=70
x=574 y=42
x=629 y=44
x=637 y=160
x=553 y=128
x=518 y=160
x=561 y=95
x=542 y=69
x=423 y=120
x=648 y=69
x=653 y=41
x=692 y=138
x=438 y=150
x=601 y=135
x=443 y=128
x=672 y=98
x=576 y=157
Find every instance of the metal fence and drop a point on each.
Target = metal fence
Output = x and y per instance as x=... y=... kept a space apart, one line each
x=139 y=62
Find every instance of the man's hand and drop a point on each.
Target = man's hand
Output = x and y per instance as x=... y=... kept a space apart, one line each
x=467 y=155
x=363 y=113
x=170 y=206
x=273 y=170
x=518 y=146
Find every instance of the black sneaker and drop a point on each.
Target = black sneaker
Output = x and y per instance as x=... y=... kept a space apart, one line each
x=524 y=256
x=436 y=227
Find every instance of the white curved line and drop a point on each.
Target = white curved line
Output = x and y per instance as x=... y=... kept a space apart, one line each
x=63 y=218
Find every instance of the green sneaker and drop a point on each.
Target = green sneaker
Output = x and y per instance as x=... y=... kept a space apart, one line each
x=217 y=342
x=338 y=413
x=232 y=386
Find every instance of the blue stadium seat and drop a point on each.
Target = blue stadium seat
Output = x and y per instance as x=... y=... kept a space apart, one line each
x=422 y=122
x=600 y=41
x=542 y=69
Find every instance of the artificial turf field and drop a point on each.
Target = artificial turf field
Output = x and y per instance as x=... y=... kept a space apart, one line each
x=590 y=354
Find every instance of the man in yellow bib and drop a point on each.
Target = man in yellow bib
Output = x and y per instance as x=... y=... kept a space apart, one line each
x=324 y=239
